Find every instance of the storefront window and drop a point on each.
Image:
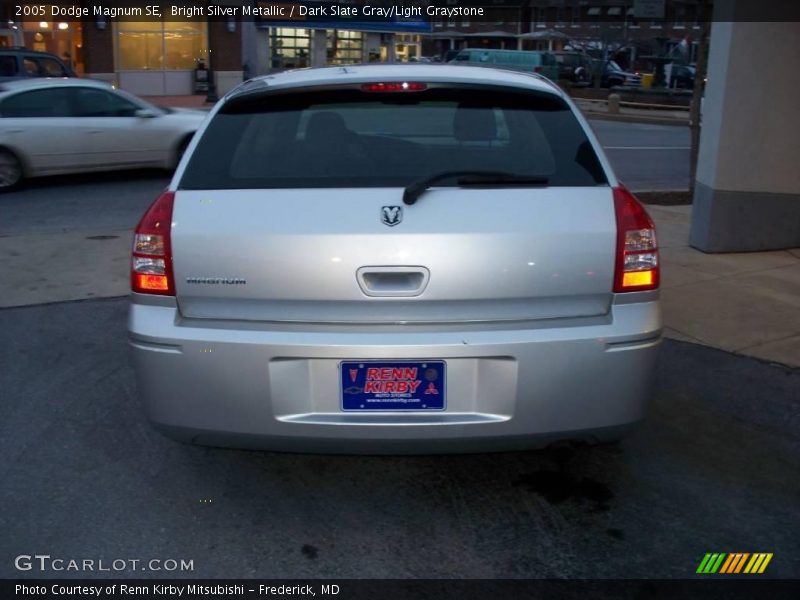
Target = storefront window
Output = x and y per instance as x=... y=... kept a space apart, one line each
x=140 y=50
x=185 y=45
x=62 y=38
x=407 y=47
x=345 y=47
x=159 y=45
x=290 y=48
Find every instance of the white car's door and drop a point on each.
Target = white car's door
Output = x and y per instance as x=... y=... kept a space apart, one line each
x=40 y=126
x=116 y=136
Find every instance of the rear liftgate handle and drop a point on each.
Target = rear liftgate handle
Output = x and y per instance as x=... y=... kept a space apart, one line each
x=399 y=282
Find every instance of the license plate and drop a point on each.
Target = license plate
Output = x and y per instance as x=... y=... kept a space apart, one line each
x=397 y=385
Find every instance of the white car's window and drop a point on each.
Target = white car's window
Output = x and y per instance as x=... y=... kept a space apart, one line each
x=38 y=103
x=390 y=139
x=100 y=103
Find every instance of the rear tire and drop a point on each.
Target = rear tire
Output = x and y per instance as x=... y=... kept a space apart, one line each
x=11 y=173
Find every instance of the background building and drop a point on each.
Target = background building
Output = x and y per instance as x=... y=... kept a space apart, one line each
x=161 y=57
x=580 y=24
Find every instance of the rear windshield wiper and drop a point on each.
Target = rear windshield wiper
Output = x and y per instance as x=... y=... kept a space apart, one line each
x=415 y=189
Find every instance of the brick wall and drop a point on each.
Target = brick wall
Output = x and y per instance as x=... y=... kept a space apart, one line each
x=227 y=46
x=98 y=48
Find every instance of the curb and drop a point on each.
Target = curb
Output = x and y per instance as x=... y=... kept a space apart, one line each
x=604 y=116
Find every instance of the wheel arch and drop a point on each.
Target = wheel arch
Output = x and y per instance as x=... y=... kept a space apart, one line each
x=20 y=156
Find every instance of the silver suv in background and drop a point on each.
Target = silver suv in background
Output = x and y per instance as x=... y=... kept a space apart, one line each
x=394 y=259
x=21 y=63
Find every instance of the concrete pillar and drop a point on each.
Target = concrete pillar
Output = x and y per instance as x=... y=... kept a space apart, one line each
x=372 y=48
x=255 y=48
x=319 y=48
x=226 y=45
x=747 y=190
x=98 y=52
x=264 y=51
x=391 y=48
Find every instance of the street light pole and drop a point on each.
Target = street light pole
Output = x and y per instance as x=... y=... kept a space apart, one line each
x=211 y=95
x=697 y=94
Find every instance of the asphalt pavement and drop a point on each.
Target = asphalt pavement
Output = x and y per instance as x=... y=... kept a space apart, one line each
x=713 y=469
x=647 y=157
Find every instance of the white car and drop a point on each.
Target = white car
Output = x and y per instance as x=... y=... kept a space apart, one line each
x=56 y=126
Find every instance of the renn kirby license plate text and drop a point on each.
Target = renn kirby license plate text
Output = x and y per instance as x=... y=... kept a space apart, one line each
x=399 y=385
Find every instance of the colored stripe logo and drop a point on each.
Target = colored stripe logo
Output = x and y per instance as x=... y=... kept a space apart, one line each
x=734 y=563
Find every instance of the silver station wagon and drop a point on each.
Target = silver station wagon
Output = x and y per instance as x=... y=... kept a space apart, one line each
x=395 y=259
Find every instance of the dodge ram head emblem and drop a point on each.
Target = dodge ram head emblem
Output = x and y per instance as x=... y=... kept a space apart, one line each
x=391 y=215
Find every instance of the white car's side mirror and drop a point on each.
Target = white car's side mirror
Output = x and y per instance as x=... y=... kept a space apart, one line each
x=145 y=113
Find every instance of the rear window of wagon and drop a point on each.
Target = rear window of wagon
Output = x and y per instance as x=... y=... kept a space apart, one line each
x=350 y=138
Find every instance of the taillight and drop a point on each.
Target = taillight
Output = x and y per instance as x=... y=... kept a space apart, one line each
x=394 y=86
x=151 y=259
x=637 y=250
x=538 y=70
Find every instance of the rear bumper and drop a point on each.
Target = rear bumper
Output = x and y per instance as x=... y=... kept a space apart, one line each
x=243 y=385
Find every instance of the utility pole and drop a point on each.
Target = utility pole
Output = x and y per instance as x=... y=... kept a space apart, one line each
x=697 y=93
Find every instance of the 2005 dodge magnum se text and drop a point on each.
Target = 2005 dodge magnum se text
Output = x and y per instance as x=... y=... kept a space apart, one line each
x=395 y=259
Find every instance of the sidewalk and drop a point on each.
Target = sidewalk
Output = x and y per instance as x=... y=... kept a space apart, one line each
x=597 y=109
x=194 y=101
x=747 y=303
x=744 y=303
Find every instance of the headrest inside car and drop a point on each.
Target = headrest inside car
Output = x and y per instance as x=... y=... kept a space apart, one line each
x=325 y=127
x=474 y=124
